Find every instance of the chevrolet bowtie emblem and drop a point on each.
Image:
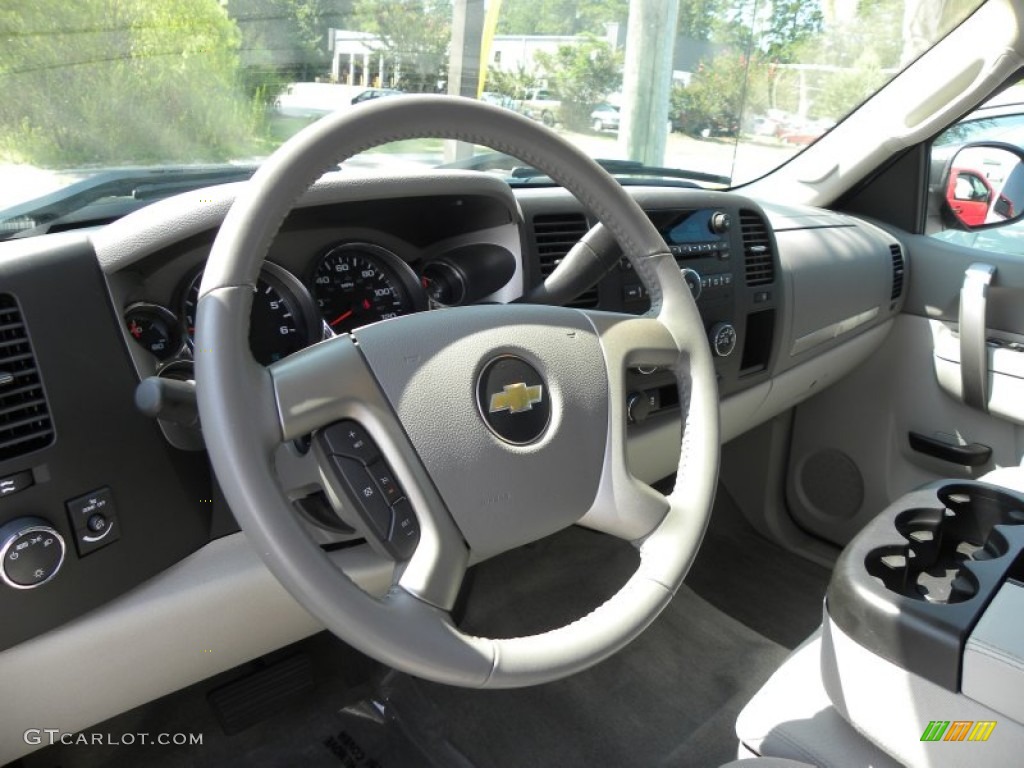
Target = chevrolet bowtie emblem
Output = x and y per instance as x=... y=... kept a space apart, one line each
x=516 y=398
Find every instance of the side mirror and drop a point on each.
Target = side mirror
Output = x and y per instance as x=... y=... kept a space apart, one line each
x=983 y=186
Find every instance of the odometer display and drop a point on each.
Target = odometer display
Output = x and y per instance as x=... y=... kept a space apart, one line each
x=276 y=326
x=357 y=283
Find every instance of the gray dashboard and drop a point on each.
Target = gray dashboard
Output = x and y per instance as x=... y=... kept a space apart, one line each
x=807 y=293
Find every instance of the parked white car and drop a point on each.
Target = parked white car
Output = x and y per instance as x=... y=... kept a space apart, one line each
x=605 y=117
x=313 y=100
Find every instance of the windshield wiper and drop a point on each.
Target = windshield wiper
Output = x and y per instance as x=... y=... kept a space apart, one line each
x=141 y=184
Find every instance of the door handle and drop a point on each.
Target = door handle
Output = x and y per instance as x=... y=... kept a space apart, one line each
x=970 y=455
x=973 y=349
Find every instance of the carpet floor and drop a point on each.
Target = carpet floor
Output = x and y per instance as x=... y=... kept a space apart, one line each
x=669 y=699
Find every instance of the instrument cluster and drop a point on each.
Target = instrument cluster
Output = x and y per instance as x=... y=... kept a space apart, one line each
x=348 y=285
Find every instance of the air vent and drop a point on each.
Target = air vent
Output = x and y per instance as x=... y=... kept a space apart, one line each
x=554 y=234
x=25 y=423
x=897 y=271
x=759 y=262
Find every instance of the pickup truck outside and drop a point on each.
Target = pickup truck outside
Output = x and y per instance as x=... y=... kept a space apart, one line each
x=541 y=104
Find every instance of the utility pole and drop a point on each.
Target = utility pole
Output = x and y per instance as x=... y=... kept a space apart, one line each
x=647 y=79
x=464 y=62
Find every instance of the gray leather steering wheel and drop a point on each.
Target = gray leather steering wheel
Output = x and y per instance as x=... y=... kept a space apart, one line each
x=413 y=383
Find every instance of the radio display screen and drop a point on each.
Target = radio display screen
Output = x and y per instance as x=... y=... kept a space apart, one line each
x=690 y=227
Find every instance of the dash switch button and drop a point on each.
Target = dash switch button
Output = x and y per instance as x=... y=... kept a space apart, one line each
x=94 y=520
x=16 y=482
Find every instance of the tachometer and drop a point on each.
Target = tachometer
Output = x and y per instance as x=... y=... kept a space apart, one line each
x=282 y=320
x=358 y=283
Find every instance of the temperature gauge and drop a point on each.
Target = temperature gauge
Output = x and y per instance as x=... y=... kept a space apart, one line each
x=155 y=329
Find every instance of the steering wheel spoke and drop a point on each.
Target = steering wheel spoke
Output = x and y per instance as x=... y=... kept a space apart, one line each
x=367 y=467
x=626 y=507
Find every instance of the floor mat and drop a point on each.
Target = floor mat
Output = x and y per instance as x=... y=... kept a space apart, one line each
x=757 y=582
x=669 y=699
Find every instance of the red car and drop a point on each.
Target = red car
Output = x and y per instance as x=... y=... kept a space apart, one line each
x=969 y=195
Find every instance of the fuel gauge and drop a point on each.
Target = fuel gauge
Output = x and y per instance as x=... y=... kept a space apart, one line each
x=155 y=329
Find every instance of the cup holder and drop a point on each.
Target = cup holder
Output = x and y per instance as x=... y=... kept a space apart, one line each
x=931 y=564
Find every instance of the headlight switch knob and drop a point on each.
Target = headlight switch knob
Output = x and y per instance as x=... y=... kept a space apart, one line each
x=31 y=552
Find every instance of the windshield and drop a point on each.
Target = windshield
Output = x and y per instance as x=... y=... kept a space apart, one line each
x=709 y=92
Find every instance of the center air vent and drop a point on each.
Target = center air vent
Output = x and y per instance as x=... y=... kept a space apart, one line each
x=554 y=234
x=25 y=423
x=897 y=271
x=758 y=260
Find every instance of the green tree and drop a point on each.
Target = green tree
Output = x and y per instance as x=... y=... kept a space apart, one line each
x=721 y=91
x=582 y=75
x=560 y=17
x=283 y=41
x=855 y=61
x=120 y=81
x=791 y=23
x=838 y=93
x=515 y=84
x=417 y=32
x=700 y=19
x=288 y=37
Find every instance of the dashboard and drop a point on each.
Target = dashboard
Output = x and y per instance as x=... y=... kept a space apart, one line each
x=328 y=272
x=790 y=300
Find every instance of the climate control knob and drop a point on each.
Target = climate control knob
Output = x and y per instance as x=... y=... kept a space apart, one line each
x=31 y=552
x=723 y=339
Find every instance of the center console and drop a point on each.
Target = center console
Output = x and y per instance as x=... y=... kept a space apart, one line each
x=914 y=584
x=920 y=657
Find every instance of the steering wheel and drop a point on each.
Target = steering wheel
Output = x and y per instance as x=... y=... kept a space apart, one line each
x=498 y=425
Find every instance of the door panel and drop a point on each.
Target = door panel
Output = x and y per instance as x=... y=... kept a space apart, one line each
x=850 y=453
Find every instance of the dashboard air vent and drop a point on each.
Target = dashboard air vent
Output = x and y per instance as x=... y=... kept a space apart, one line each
x=759 y=262
x=553 y=235
x=897 y=271
x=25 y=423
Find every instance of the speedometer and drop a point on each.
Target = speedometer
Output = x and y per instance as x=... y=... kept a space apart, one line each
x=358 y=283
x=281 y=319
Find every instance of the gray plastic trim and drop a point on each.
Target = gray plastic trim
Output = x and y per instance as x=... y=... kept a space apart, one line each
x=217 y=608
x=833 y=331
x=892 y=707
x=993 y=671
x=1004 y=371
x=166 y=222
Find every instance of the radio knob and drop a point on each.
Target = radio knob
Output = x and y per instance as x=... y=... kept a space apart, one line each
x=723 y=339
x=31 y=552
x=719 y=222
x=692 y=278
